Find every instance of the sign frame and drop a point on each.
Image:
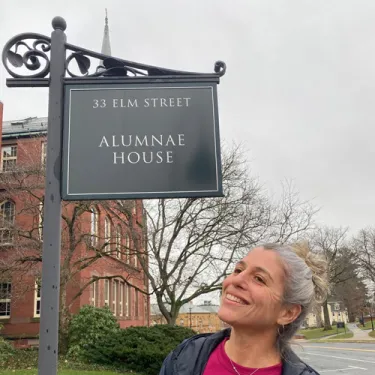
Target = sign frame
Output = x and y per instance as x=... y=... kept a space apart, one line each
x=68 y=194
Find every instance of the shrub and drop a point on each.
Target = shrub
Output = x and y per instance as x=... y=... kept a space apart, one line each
x=140 y=349
x=91 y=325
x=6 y=349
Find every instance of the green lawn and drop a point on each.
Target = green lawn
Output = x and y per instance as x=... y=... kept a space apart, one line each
x=367 y=325
x=347 y=335
x=62 y=372
x=372 y=334
x=316 y=333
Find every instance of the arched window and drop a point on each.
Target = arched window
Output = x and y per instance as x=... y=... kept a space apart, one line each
x=7 y=217
x=127 y=248
x=94 y=226
x=118 y=241
x=107 y=233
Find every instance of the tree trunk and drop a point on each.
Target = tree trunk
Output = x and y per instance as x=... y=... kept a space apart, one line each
x=317 y=310
x=327 y=321
x=64 y=319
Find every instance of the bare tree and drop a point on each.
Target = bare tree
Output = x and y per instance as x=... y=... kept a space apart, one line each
x=21 y=197
x=353 y=294
x=332 y=242
x=364 y=244
x=192 y=243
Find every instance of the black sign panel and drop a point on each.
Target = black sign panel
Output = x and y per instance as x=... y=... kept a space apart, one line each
x=126 y=141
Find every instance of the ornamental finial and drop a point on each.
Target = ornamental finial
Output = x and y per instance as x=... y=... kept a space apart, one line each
x=58 y=23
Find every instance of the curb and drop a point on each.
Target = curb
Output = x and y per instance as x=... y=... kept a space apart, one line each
x=348 y=341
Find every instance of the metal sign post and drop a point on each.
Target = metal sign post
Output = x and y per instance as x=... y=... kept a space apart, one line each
x=49 y=315
x=185 y=147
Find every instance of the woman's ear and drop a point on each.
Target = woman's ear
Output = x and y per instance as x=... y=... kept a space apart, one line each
x=289 y=314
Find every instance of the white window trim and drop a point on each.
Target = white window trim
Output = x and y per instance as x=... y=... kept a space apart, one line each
x=121 y=300
x=107 y=232
x=40 y=220
x=106 y=292
x=127 y=301
x=44 y=153
x=127 y=248
x=118 y=242
x=3 y=158
x=93 y=291
x=114 y=297
x=136 y=303
x=94 y=226
x=4 y=227
x=37 y=298
x=7 y=300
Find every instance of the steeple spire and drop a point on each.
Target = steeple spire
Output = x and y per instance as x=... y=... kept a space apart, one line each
x=106 y=45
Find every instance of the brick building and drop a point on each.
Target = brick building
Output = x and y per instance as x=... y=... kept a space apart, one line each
x=102 y=247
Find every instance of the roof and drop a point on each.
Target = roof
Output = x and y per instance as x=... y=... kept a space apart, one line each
x=185 y=309
x=24 y=127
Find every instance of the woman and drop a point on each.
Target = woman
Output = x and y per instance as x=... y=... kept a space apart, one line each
x=264 y=301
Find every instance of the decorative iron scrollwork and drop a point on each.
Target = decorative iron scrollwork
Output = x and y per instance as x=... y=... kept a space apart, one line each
x=35 y=58
x=32 y=59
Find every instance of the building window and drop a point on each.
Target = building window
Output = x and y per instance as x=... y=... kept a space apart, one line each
x=94 y=294
x=136 y=248
x=107 y=233
x=136 y=303
x=40 y=220
x=94 y=226
x=5 y=297
x=127 y=248
x=7 y=217
x=37 y=297
x=44 y=154
x=127 y=300
x=118 y=241
x=114 y=297
x=9 y=158
x=121 y=300
x=106 y=292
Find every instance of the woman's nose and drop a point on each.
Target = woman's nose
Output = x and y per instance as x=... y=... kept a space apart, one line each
x=240 y=280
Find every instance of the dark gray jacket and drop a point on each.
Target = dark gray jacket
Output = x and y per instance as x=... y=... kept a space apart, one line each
x=190 y=357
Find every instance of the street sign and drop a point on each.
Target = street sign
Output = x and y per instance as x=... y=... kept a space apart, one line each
x=141 y=141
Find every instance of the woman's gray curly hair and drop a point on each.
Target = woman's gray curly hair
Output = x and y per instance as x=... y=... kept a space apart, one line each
x=306 y=284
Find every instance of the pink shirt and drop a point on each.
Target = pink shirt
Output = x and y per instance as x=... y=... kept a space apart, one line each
x=219 y=363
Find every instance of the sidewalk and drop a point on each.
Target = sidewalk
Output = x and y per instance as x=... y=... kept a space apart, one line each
x=358 y=333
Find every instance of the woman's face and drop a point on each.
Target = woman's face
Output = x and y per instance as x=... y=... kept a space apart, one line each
x=252 y=294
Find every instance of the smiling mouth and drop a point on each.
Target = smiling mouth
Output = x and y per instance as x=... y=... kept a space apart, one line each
x=233 y=298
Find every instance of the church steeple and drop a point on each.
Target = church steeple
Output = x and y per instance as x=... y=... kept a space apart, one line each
x=106 y=45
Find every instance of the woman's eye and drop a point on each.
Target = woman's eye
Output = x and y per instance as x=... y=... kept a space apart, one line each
x=259 y=279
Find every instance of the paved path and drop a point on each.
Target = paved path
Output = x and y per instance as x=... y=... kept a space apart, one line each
x=359 y=334
x=338 y=358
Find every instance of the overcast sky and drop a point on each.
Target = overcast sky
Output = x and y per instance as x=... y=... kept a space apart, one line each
x=299 y=90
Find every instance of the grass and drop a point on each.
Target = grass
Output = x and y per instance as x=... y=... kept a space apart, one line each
x=367 y=325
x=372 y=334
x=62 y=372
x=316 y=333
x=347 y=335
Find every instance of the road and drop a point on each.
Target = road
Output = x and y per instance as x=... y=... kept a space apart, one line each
x=338 y=358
